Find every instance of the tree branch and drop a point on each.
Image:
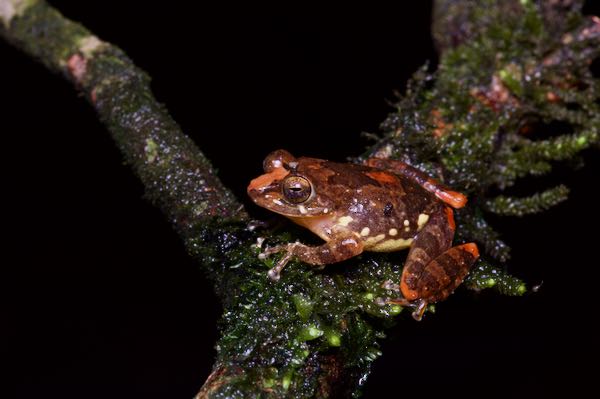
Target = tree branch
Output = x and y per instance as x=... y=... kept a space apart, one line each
x=176 y=175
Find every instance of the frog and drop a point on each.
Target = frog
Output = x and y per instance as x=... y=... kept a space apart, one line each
x=379 y=205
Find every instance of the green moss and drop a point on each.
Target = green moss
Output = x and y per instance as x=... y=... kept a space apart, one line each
x=539 y=202
x=484 y=96
x=54 y=38
x=309 y=333
x=286 y=325
x=511 y=75
x=286 y=381
x=485 y=276
x=333 y=337
x=183 y=180
x=151 y=149
x=304 y=306
x=472 y=226
x=395 y=309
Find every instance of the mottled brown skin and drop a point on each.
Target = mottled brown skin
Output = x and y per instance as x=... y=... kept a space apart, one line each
x=383 y=206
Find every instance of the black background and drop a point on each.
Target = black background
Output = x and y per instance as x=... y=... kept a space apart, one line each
x=99 y=299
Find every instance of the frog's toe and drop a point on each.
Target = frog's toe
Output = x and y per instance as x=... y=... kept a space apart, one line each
x=274 y=274
x=419 y=311
x=419 y=306
x=270 y=251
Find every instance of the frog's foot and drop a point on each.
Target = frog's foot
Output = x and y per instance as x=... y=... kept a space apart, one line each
x=275 y=272
x=418 y=306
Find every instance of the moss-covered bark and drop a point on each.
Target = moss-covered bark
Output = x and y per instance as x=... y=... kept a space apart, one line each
x=505 y=68
x=176 y=175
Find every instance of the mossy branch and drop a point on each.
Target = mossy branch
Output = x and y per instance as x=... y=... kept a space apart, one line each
x=486 y=275
x=538 y=202
x=505 y=67
x=475 y=227
x=176 y=175
x=520 y=157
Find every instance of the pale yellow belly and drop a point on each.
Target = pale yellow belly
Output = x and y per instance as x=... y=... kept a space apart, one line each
x=380 y=243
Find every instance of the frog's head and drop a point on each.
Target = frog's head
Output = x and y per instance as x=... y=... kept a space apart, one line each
x=289 y=187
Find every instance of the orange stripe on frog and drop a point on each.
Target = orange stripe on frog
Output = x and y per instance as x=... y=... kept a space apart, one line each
x=263 y=181
x=470 y=247
x=450 y=218
x=382 y=177
x=407 y=293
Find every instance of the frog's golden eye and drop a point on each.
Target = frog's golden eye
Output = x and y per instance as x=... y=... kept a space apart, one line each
x=296 y=189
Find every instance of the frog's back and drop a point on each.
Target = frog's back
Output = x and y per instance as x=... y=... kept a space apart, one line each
x=384 y=209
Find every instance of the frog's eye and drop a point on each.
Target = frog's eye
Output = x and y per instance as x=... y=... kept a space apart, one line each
x=296 y=189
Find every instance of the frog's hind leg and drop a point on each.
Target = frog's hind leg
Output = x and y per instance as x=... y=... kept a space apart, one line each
x=434 y=268
x=445 y=194
x=338 y=249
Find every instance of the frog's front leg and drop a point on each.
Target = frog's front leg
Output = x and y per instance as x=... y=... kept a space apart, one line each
x=434 y=268
x=339 y=248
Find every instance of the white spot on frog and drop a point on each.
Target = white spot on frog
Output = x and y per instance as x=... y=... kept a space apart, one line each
x=393 y=232
x=365 y=232
x=302 y=209
x=349 y=241
x=423 y=218
x=374 y=240
x=406 y=222
x=345 y=220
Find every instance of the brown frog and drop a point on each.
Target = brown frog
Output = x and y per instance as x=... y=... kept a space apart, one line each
x=381 y=206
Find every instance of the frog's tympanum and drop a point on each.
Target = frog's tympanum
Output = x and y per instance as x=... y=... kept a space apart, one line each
x=382 y=206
